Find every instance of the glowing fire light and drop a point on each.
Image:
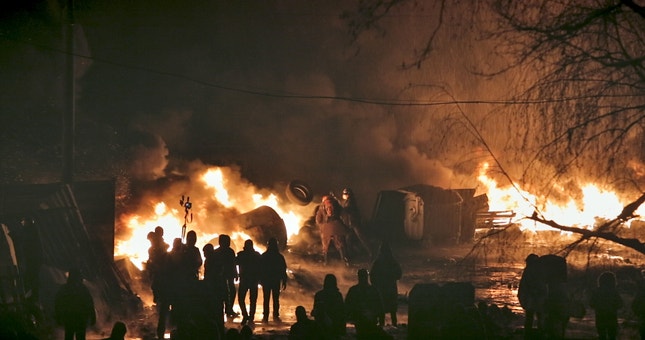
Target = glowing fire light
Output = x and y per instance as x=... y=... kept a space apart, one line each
x=215 y=179
x=226 y=195
x=136 y=248
x=595 y=204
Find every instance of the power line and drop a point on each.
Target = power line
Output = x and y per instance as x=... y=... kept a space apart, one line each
x=275 y=94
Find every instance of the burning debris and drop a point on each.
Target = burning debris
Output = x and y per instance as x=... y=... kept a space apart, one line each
x=222 y=202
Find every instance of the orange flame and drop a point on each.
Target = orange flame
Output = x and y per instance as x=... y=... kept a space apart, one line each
x=596 y=203
x=226 y=195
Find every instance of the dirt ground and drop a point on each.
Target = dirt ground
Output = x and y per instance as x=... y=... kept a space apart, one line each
x=494 y=268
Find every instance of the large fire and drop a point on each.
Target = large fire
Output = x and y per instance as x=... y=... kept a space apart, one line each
x=227 y=191
x=596 y=203
x=229 y=195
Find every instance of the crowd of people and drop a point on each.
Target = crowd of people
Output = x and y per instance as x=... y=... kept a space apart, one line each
x=190 y=306
x=200 y=308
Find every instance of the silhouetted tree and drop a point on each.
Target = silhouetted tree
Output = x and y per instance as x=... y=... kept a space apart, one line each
x=576 y=99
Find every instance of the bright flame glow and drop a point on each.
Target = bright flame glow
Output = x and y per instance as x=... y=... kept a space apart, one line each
x=136 y=248
x=214 y=178
x=225 y=196
x=596 y=203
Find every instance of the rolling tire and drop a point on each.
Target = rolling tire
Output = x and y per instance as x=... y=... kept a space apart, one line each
x=299 y=193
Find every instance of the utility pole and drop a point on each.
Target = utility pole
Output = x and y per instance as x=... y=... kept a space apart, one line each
x=69 y=124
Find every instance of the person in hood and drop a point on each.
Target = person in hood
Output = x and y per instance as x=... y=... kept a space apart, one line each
x=74 y=307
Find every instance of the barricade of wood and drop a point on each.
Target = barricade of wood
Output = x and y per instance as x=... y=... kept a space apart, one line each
x=494 y=219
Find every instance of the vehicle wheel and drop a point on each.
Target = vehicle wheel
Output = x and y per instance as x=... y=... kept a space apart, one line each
x=299 y=192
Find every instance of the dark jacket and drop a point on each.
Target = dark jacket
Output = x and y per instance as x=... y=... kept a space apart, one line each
x=274 y=268
x=384 y=275
x=248 y=262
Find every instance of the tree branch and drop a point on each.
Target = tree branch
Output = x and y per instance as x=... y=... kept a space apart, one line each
x=603 y=231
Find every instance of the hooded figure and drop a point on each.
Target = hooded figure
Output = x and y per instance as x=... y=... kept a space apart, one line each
x=329 y=309
x=74 y=306
x=364 y=308
x=385 y=273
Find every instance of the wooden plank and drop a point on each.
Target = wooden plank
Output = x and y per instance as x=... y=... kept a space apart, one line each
x=492 y=219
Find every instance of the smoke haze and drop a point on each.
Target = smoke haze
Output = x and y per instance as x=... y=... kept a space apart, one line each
x=256 y=86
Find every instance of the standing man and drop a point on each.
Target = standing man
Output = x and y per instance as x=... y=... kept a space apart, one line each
x=215 y=285
x=192 y=257
x=332 y=227
x=274 y=277
x=225 y=256
x=329 y=309
x=74 y=306
x=248 y=262
x=187 y=279
x=157 y=263
x=606 y=301
x=364 y=308
x=385 y=273
x=352 y=218
x=532 y=293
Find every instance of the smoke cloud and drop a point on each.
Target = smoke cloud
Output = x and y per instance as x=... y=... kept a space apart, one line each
x=272 y=89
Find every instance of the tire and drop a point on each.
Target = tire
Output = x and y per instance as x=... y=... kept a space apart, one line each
x=299 y=193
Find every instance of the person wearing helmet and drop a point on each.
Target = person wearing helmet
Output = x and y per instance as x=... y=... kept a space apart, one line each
x=352 y=217
x=332 y=227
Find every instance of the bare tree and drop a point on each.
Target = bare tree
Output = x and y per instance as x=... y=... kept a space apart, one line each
x=578 y=104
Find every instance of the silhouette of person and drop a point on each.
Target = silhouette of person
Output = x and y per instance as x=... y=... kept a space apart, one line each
x=329 y=309
x=225 y=256
x=304 y=328
x=638 y=304
x=273 y=277
x=384 y=274
x=215 y=285
x=74 y=306
x=187 y=275
x=364 y=307
x=556 y=305
x=332 y=227
x=192 y=257
x=201 y=320
x=246 y=332
x=118 y=331
x=606 y=302
x=532 y=294
x=248 y=262
x=170 y=285
x=159 y=237
x=352 y=218
x=157 y=262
